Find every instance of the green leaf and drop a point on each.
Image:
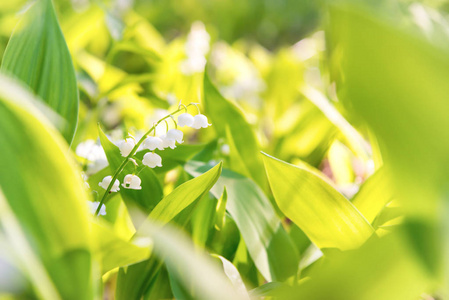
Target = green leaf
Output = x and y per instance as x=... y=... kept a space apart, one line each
x=268 y=244
x=403 y=99
x=37 y=54
x=114 y=251
x=224 y=113
x=325 y=216
x=45 y=191
x=190 y=266
x=184 y=195
x=134 y=281
x=369 y=273
x=151 y=193
x=374 y=194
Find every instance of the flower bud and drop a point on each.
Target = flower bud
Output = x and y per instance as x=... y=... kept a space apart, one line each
x=153 y=142
x=152 y=160
x=126 y=146
x=175 y=134
x=200 y=121
x=107 y=180
x=225 y=149
x=185 y=119
x=132 y=182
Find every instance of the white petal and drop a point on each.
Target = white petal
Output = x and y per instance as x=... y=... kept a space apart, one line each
x=200 y=121
x=167 y=142
x=176 y=135
x=153 y=142
x=132 y=182
x=126 y=146
x=152 y=160
x=185 y=119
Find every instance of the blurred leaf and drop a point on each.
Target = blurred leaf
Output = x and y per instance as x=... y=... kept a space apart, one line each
x=403 y=98
x=223 y=113
x=190 y=266
x=45 y=192
x=368 y=273
x=114 y=251
x=325 y=216
x=268 y=244
x=24 y=253
x=135 y=280
x=38 y=55
x=355 y=140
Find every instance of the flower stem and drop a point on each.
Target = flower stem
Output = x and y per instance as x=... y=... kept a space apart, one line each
x=131 y=154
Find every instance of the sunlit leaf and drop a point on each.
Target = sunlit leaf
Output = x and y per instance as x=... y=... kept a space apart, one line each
x=38 y=55
x=325 y=216
x=190 y=266
x=223 y=113
x=45 y=192
x=268 y=244
x=115 y=252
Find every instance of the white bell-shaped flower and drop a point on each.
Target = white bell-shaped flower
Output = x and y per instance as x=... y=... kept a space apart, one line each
x=167 y=142
x=132 y=182
x=107 y=180
x=152 y=160
x=176 y=135
x=126 y=146
x=200 y=121
x=153 y=142
x=93 y=206
x=185 y=119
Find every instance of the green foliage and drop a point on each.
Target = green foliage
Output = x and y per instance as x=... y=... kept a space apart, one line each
x=45 y=194
x=348 y=98
x=325 y=216
x=38 y=55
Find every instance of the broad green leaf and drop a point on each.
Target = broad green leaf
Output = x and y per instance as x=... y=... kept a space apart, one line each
x=268 y=244
x=190 y=266
x=325 y=216
x=369 y=273
x=114 y=251
x=37 y=54
x=410 y=98
x=374 y=194
x=135 y=280
x=224 y=113
x=403 y=98
x=184 y=195
x=151 y=193
x=202 y=220
x=44 y=189
x=23 y=252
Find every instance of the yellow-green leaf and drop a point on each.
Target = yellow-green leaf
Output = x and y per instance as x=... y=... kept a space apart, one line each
x=37 y=54
x=45 y=191
x=325 y=216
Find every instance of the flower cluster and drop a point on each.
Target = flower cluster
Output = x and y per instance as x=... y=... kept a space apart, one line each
x=129 y=146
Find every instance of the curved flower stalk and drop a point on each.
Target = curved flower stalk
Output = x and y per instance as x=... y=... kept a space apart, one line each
x=129 y=147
